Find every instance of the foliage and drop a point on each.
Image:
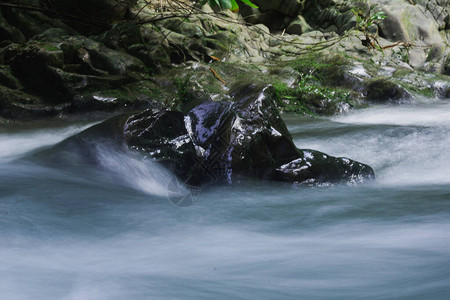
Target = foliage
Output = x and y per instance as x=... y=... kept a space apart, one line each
x=364 y=20
x=289 y=99
x=310 y=88
x=228 y=4
x=310 y=97
x=321 y=87
x=182 y=85
x=329 y=71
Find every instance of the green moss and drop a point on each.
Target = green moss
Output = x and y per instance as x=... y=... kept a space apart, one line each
x=6 y=70
x=419 y=83
x=50 y=48
x=426 y=92
x=142 y=90
x=113 y=93
x=406 y=18
x=402 y=73
x=145 y=88
x=309 y=98
x=329 y=72
x=353 y=58
x=280 y=90
x=215 y=44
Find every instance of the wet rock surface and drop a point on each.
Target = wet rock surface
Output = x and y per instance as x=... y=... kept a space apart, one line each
x=385 y=91
x=225 y=142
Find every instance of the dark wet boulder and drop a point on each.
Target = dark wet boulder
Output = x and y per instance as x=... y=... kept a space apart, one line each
x=215 y=140
x=385 y=91
x=10 y=33
x=7 y=79
x=259 y=140
x=17 y=105
x=21 y=20
x=162 y=134
x=90 y=17
x=72 y=71
x=227 y=141
x=314 y=167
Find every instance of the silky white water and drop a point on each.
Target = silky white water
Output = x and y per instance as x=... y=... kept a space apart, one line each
x=113 y=234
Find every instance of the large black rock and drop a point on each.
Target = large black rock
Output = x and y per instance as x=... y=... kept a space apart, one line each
x=225 y=141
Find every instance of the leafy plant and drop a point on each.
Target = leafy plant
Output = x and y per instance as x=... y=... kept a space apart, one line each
x=182 y=85
x=365 y=20
x=228 y=4
x=309 y=85
x=325 y=70
x=404 y=55
x=310 y=97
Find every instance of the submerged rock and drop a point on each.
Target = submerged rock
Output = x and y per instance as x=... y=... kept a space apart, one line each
x=226 y=141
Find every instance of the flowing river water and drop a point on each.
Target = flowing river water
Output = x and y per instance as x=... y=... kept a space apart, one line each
x=84 y=233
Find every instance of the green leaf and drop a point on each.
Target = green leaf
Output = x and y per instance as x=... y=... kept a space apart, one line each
x=225 y=4
x=234 y=6
x=214 y=3
x=230 y=4
x=249 y=3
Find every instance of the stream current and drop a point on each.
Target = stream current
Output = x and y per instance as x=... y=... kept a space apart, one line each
x=84 y=233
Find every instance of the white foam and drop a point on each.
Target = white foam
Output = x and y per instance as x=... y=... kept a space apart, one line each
x=407 y=145
x=136 y=171
x=421 y=115
x=14 y=145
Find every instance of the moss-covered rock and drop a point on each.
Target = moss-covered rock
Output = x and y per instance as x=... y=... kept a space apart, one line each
x=9 y=33
x=324 y=14
x=285 y=7
x=121 y=36
x=7 y=79
x=18 y=105
x=30 y=22
x=93 y=16
x=385 y=91
x=61 y=70
x=329 y=71
x=133 y=96
x=43 y=78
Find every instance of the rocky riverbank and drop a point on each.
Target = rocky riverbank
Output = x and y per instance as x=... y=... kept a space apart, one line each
x=315 y=54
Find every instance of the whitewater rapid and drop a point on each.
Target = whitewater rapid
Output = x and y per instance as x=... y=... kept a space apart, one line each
x=111 y=232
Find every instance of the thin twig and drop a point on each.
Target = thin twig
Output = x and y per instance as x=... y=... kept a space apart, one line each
x=217 y=75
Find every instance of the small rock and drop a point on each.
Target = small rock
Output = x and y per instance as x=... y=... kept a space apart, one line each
x=298 y=26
